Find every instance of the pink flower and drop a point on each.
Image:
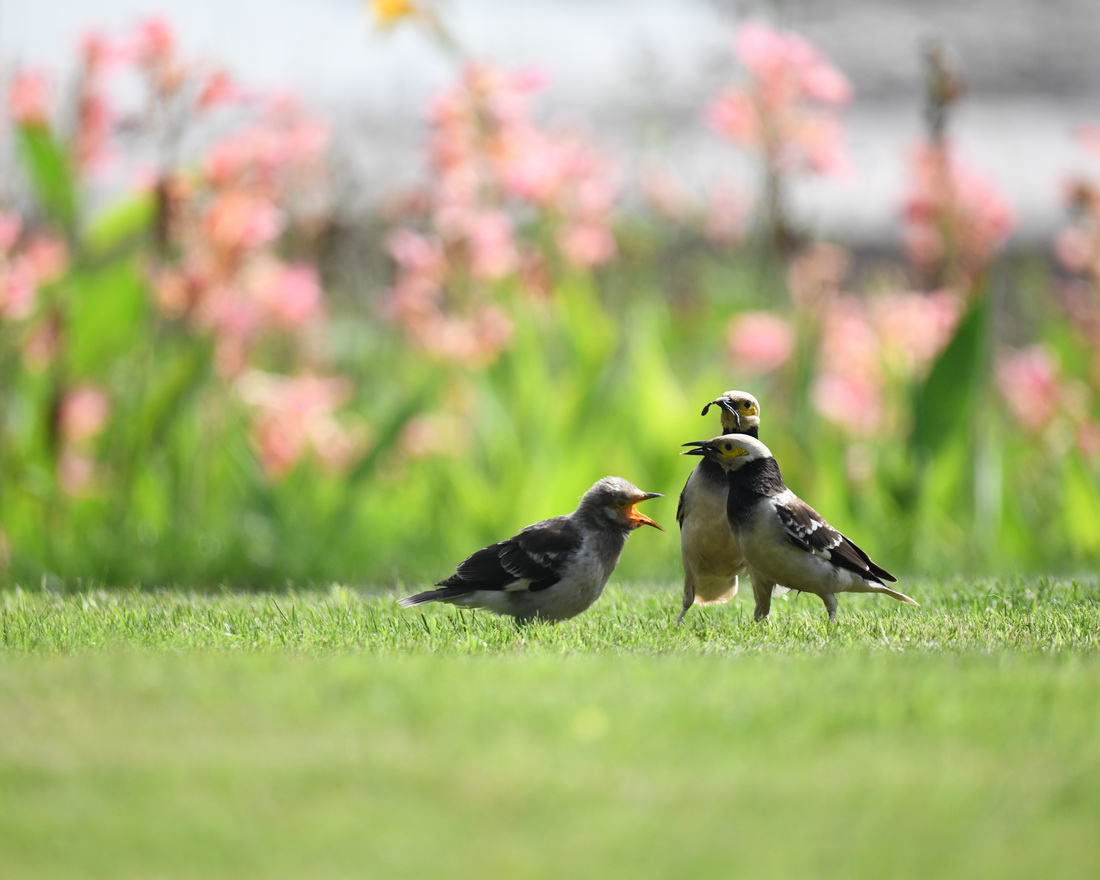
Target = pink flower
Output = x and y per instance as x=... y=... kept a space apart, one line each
x=1028 y=382
x=219 y=90
x=239 y=220
x=849 y=344
x=586 y=244
x=759 y=342
x=734 y=115
x=99 y=53
x=291 y=294
x=93 y=128
x=28 y=97
x=1074 y=249
x=154 y=40
x=417 y=254
x=294 y=415
x=916 y=326
x=82 y=414
x=820 y=148
x=47 y=257
x=18 y=285
x=953 y=212
x=1088 y=439
x=1088 y=136
x=11 y=225
x=784 y=61
x=848 y=389
x=785 y=109
x=492 y=249
x=851 y=401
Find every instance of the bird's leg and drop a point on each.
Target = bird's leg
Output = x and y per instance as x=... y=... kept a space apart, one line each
x=830 y=605
x=689 y=599
x=762 y=590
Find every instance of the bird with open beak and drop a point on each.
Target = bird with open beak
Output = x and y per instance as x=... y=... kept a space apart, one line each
x=709 y=551
x=554 y=569
x=782 y=539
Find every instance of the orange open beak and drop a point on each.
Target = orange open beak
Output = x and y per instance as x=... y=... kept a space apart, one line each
x=637 y=518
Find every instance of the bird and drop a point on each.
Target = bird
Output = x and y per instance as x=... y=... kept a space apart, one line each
x=711 y=557
x=783 y=539
x=554 y=569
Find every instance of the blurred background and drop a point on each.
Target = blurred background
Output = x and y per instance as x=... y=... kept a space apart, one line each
x=343 y=290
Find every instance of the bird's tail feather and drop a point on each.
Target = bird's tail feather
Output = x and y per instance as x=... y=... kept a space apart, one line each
x=901 y=597
x=444 y=594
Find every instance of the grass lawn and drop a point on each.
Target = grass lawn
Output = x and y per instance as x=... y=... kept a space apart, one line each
x=330 y=733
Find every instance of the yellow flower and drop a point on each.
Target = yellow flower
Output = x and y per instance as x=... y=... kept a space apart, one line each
x=388 y=12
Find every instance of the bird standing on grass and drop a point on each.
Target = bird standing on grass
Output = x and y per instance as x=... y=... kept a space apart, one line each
x=783 y=539
x=709 y=551
x=554 y=569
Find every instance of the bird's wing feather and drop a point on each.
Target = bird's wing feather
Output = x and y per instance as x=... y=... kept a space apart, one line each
x=807 y=529
x=542 y=553
x=538 y=555
x=681 y=505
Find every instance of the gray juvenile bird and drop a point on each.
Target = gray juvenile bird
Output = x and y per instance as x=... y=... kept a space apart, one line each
x=554 y=569
x=709 y=551
x=783 y=539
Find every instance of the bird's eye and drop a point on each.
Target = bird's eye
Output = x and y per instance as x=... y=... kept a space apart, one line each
x=726 y=447
x=620 y=503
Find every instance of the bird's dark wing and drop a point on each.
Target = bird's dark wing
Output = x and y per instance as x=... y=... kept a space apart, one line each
x=539 y=554
x=806 y=528
x=681 y=506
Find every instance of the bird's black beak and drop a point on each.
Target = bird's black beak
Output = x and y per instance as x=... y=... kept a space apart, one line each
x=702 y=447
x=731 y=409
x=725 y=404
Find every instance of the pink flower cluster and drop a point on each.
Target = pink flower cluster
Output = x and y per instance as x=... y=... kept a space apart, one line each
x=296 y=416
x=862 y=344
x=27 y=261
x=225 y=275
x=868 y=343
x=82 y=415
x=787 y=108
x=221 y=215
x=955 y=218
x=1044 y=402
x=502 y=189
x=29 y=98
x=1077 y=249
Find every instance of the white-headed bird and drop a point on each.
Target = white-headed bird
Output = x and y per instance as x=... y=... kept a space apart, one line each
x=712 y=560
x=554 y=569
x=783 y=539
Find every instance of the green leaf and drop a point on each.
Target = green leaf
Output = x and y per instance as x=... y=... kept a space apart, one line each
x=50 y=170
x=107 y=316
x=1081 y=506
x=944 y=402
x=120 y=224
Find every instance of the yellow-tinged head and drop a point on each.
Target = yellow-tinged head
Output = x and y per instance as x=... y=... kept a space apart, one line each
x=731 y=451
x=740 y=412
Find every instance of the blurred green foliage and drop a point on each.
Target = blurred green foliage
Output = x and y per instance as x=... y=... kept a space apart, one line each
x=605 y=373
